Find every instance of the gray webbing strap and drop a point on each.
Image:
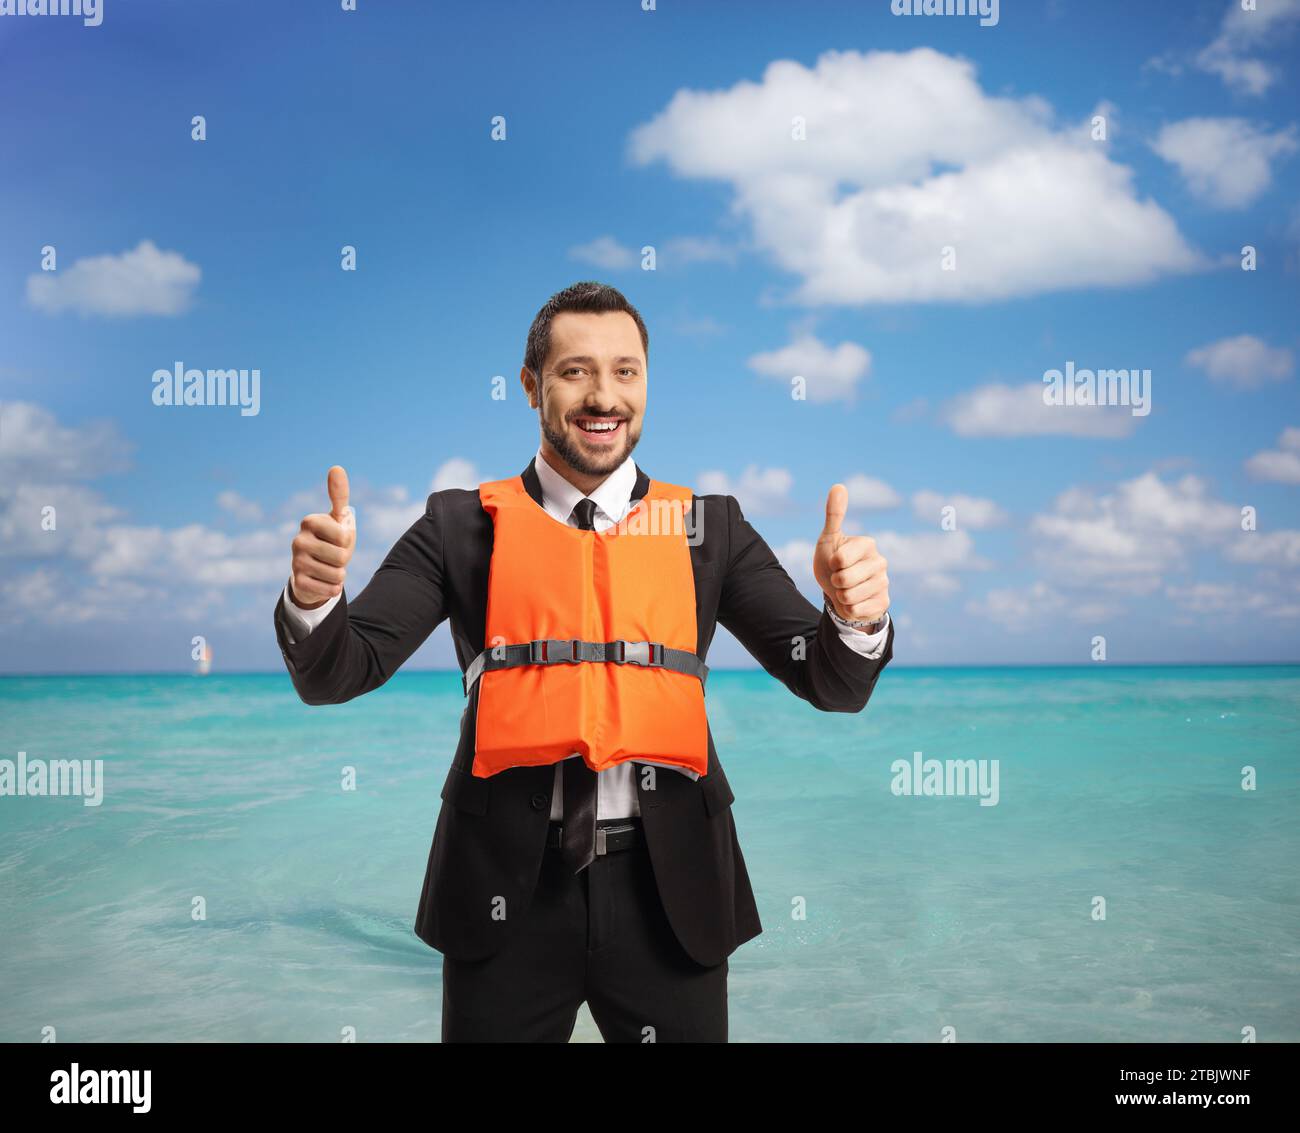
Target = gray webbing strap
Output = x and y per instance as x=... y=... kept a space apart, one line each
x=560 y=650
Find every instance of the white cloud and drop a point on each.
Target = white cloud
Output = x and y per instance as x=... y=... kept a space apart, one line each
x=80 y=516
x=386 y=513
x=605 y=252
x=1243 y=362
x=930 y=560
x=972 y=512
x=702 y=326
x=94 y=567
x=1165 y=64
x=1126 y=539
x=1225 y=162
x=1016 y=610
x=761 y=491
x=40 y=462
x=143 y=281
x=34 y=446
x=867 y=493
x=1183 y=508
x=1282 y=464
x=1216 y=597
x=906 y=154
x=193 y=555
x=247 y=511
x=1269 y=548
x=1241 y=35
x=41 y=596
x=457 y=472
x=683 y=250
x=999 y=410
x=830 y=373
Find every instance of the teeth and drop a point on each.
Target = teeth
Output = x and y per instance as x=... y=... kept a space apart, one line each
x=599 y=427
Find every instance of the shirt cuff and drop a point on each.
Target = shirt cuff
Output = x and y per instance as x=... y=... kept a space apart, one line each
x=869 y=645
x=301 y=621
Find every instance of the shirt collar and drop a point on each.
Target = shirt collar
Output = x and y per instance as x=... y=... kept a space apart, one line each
x=612 y=495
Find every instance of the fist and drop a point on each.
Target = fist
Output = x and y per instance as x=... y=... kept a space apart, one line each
x=323 y=547
x=848 y=568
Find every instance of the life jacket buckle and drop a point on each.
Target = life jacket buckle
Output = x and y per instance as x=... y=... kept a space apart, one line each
x=552 y=650
x=648 y=653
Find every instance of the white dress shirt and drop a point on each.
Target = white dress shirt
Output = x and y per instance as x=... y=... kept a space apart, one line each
x=616 y=795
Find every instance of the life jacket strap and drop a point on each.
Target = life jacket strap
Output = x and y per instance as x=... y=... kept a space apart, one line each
x=558 y=650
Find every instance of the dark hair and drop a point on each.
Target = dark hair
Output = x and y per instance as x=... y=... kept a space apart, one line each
x=585 y=296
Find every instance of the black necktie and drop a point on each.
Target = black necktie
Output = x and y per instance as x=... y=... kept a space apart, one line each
x=584 y=512
x=579 y=837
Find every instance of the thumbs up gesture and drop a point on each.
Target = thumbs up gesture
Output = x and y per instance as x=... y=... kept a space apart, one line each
x=323 y=547
x=848 y=568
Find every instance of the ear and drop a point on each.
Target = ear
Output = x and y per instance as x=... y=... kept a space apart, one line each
x=532 y=388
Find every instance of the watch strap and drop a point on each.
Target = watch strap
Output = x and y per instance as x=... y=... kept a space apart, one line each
x=870 y=627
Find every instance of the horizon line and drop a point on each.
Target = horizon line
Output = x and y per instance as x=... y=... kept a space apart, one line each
x=754 y=669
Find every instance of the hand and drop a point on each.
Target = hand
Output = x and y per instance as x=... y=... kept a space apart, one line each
x=848 y=568
x=323 y=548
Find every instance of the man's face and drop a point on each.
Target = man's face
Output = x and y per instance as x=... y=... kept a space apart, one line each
x=593 y=390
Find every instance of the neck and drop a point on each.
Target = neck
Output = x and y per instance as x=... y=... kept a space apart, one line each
x=585 y=483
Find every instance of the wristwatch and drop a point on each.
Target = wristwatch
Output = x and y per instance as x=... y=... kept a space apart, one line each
x=869 y=627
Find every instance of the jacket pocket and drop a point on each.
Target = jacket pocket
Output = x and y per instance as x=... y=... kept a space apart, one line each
x=467 y=792
x=717 y=792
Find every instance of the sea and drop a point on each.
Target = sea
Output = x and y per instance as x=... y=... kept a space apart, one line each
x=1026 y=855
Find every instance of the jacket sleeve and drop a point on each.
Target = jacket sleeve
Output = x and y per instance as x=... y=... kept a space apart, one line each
x=784 y=632
x=360 y=645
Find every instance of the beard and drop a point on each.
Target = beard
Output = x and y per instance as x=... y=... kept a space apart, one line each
x=582 y=462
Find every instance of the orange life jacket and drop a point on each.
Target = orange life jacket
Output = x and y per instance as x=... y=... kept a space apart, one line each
x=591 y=638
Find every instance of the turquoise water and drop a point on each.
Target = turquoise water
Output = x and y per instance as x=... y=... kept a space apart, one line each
x=921 y=912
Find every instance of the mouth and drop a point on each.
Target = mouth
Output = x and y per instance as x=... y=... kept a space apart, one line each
x=601 y=430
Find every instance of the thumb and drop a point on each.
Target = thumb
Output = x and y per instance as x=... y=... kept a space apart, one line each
x=837 y=500
x=337 y=481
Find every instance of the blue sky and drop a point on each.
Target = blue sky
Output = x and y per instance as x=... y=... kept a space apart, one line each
x=775 y=256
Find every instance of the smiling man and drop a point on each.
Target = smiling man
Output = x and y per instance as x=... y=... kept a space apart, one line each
x=586 y=850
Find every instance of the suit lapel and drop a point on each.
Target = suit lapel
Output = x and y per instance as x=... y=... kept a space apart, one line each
x=642 y=484
x=532 y=485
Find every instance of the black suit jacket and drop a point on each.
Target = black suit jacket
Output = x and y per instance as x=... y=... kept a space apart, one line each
x=490 y=837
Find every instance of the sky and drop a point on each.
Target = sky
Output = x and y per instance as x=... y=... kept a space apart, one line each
x=859 y=240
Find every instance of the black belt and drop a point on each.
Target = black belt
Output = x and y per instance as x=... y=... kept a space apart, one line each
x=611 y=834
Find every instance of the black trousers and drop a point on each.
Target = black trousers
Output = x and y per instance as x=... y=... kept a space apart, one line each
x=602 y=937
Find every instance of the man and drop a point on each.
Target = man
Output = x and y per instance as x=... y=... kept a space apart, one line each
x=562 y=870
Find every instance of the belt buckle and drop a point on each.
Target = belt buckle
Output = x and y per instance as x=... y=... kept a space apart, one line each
x=603 y=832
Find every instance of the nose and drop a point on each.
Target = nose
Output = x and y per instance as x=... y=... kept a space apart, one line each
x=602 y=381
